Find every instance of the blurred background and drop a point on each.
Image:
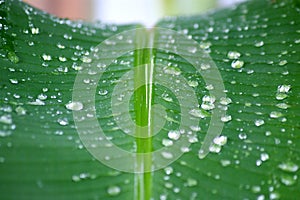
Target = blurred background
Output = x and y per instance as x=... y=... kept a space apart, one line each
x=147 y=12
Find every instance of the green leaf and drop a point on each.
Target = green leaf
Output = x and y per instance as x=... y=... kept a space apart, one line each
x=47 y=78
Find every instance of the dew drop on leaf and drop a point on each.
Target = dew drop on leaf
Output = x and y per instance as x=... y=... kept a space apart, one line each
x=233 y=55
x=259 y=122
x=114 y=190
x=74 y=106
x=13 y=57
x=174 y=134
x=288 y=166
x=237 y=64
x=20 y=110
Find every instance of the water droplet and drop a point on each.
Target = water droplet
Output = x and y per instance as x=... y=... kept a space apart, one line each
x=167 y=155
x=193 y=83
x=46 y=57
x=275 y=114
x=288 y=180
x=14 y=81
x=6 y=119
x=256 y=189
x=225 y=163
x=62 y=59
x=172 y=70
x=74 y=106
x=283 y=88
x=35 y=31
x=282 y=105
x=225 y=101
x=226 y=118
x=20 y=110
x=221 y=140
x=63 y=121
x=288 y=166
x=191 y=182
x=113 y=190
x=233 y=55
x=86 y=59
x=259 y=44
x=281 y=96
x=205 y=45
x=174 y=134
x=237 y=64
x=243 y=136
x=13 y=57
x=168 y=170
x=259 y=122
x=167 y=142
x=264 y=157
x=282 y=62
x=199 y=113
x=102 y=92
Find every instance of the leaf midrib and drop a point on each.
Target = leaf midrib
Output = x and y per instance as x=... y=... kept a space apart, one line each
x=143 y=62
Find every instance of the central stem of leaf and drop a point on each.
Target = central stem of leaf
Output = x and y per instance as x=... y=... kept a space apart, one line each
x=143 y=101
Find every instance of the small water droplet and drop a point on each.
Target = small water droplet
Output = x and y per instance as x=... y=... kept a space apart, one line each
x=226 y=118
x=114 y=190
x=191 y=182
x=86 y=59
x=237 y=64
x=20 y=110
x=225 y=163
x=174 y=134
x=199 y=113
x=74 y=106
x=288 y=166
x=221 y=140
x=288 y=180
x=259 y=122
x=167 y=155
x=13 y=57
x=233 y=55
x=167 y=142
x=282 y=62
x=193 y=83
x=46 y=57
x=35 y=31
x=63 y=121
x=275 y=114
x=264 y=157
x=14 y=81
x=172 y=70
x=225 y=101
x=259 y=44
